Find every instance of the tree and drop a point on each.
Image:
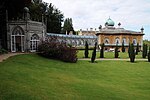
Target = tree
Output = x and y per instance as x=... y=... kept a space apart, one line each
x=149 y=55
x=68 y=26
x=132 y=53
x=102 y=51
x=146 y=42
x=144 y=53
x=123 y=48
x=52 y=16
x=86 y=53
x=54 y=19
x=14 y=10
x=94 y=53
x=129 y=50
x=137 y=48
x=116 y=51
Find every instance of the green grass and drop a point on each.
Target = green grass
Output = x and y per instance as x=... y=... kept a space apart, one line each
x=109 y=55
x=31 y=77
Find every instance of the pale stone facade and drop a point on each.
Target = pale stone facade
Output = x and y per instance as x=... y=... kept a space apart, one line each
x=111 y=36
x=24 y=36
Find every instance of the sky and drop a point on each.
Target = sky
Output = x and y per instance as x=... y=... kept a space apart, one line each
x=132 y=14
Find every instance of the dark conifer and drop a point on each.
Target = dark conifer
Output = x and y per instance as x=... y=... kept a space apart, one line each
x=132 y=53
x=94 y=53
x=137 y=48
x=123 y=48
x=102 y=51
x=149 y=55
x=129 y=50
x=116 y=51
x=86 y=53
x=144 y=53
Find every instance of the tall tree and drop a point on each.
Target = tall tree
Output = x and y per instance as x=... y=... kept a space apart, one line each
x=54 y=19
x=53 y=16
x=68 y=26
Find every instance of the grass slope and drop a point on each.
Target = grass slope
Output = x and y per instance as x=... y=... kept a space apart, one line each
x=31 y=77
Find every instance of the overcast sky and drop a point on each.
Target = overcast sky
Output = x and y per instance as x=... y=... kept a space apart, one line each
x=132 y=14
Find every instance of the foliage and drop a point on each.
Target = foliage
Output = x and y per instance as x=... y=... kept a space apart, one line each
x=94 y=53
x=146 y=42
x=54 y=19
x=14 y=7
x=132 y=53
x=116 y=51
x=144 y=53
x=86 y=53
x=52 y=16
x=123 y=48
x=37 y=10
x=2 y=51
x=102 y=51
x=148 y=55
x=137 y=48
x=129 y=50
x=52 y=48
x=68 y=26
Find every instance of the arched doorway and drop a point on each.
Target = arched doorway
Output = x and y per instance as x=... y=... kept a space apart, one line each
x=34 y=43
x=17 y=40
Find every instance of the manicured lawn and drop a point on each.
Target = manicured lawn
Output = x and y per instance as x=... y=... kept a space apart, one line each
x=109 y=55
x=31 y=77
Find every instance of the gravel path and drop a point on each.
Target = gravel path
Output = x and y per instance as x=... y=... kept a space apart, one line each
x=5 y=56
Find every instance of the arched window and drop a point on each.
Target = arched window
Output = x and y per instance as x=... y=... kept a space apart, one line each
x=134 y=41
x=34 y=42
x=117 y=41
x=17 y=39
x=106 y=41
x=18 y=31
x=124 y=40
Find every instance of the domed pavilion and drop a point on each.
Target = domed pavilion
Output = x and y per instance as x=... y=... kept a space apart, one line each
x=112 y=36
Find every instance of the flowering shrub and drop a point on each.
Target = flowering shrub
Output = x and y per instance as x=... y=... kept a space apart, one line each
x=53 y=48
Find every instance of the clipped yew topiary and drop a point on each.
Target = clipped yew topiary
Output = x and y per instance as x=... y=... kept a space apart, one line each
x=123 y=48
x=144 y=53
x=129 y=50
x=86 y=52
x=149 y=55
x=116 y=51
x=102 y=51
x=132 y=53
x=94 y=53
x=137 y=48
